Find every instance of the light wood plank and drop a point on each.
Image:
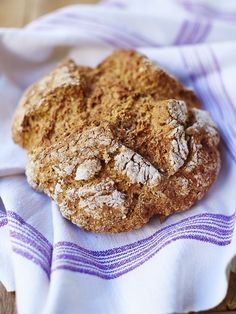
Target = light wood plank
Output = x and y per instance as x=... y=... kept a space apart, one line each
x=17 y=13
x=7 y=301
x=41 y=7
x=12 y=13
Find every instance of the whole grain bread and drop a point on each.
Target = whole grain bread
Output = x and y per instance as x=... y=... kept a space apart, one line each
x=115 y=145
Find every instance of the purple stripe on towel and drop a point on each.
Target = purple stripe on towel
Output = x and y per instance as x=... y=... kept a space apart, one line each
x=206 y=66
x=127 y=35
x=204 y=75
x=32 y=250
x=64 y=261
x=204 y=31
x=187 y=33
x=193 y=33
x=114 y=266
x=3 y=222
x=28 y=226
x=16 y=226
x=61 y=247
x=181 y=33
x=216 y=229
x=94 y=32
x=221 y=96
x=31 y=243
x=32 y=258
x=204 y=10
x=207 y=95
x=189 y=220
x=194 y=219
x=67 y=248
x=212 y=231
x=219 y=71
x=123 y=37
x=133 y=266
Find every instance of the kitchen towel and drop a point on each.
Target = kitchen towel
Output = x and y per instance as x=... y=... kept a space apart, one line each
x=178 y=266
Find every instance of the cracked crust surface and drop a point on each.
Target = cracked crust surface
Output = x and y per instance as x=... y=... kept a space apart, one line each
x=118 y=143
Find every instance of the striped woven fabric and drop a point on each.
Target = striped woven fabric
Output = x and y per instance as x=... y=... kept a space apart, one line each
x=177 y=266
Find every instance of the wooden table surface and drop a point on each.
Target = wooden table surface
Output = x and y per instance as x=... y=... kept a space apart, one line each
x=17 y=13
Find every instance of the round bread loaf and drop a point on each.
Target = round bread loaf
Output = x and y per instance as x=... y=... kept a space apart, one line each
x=115 y=145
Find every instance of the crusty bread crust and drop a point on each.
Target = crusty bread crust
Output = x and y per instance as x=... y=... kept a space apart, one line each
x=115 y=145
x=50 y=106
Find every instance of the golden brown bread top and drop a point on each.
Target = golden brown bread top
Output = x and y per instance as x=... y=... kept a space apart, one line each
x=102 y=185
x=52 y=104
x=46 y=102
x=117 y=144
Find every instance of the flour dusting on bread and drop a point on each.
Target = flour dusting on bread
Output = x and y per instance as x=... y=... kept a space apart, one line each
x=116 y=144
